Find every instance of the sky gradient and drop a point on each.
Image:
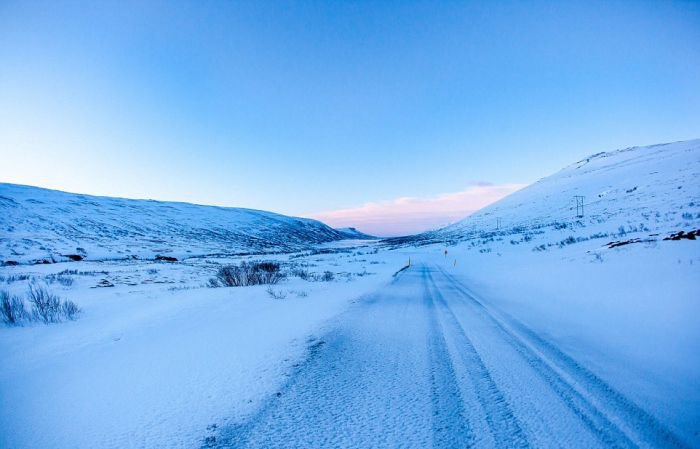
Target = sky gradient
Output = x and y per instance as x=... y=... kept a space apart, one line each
x=392 y=117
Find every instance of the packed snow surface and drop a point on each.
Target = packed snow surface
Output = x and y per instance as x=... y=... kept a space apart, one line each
x=473 y=377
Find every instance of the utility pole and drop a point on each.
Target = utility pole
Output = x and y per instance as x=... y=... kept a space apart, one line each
x=498 y=223
x=579 y=205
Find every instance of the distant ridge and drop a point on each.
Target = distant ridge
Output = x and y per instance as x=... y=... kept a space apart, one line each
x=354 y=234
x=39 y=225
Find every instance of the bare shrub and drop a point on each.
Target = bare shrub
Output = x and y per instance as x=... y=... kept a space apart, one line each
x=65 y=281
x=70 y=310
x=61 y=278
x=213 y=283
x=306 y=275
x=231 y=276
x=267 y=272
x=302 y=273
x=49 y=308
x=18 y=277
x=276 y=294
x=12 y=308
x=567 y=241
x=249 y=273
x=46 y=307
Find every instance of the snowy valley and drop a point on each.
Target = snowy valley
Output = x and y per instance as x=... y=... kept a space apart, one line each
x=530 y=323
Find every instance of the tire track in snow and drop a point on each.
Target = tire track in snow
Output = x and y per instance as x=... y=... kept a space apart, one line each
x=611 y=416
x=502 y=422
x=409 y=368
x=450 y=422
x=361 y=388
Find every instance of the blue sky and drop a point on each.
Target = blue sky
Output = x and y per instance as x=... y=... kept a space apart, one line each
x=308 y=108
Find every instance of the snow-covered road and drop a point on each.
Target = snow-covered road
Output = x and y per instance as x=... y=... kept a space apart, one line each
x=426 y=363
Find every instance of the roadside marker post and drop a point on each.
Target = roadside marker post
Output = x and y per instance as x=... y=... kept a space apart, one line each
x=579 y=205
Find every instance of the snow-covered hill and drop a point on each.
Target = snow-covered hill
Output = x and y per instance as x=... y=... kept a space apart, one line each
x=641 y=193
x=38 y=224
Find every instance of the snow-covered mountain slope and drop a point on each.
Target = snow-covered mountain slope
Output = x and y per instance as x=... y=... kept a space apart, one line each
x=354 y=234
x=646 y=192
x=38 y=224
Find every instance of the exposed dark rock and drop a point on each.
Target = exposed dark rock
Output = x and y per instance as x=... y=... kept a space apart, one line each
x=166 y=258
x=692 y=235
x=104 y=283
x=623 y=243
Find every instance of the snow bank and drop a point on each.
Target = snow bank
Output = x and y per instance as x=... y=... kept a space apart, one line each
x=155 y=360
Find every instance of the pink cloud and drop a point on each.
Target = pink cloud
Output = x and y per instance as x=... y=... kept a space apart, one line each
x=411 y=215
